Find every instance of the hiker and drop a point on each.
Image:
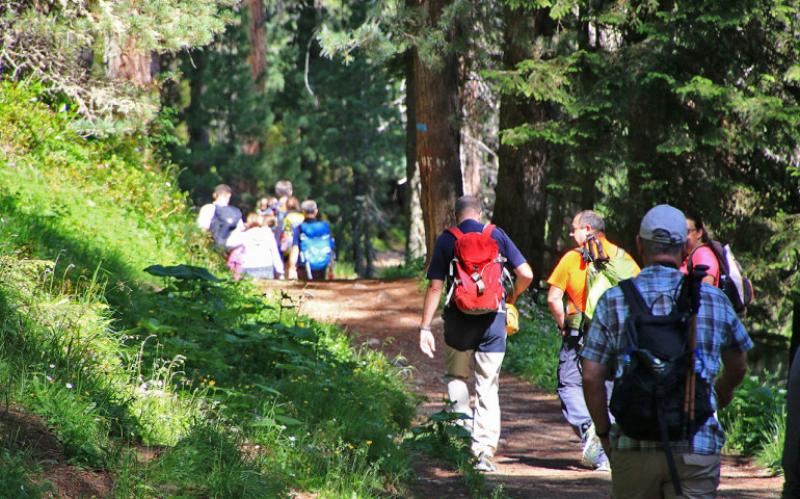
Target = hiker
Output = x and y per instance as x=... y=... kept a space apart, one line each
x=283 y=191
x=700 y=253
x=219 y=218
x=468 y=337
x=284 y=232
x=570 y=277
x=259 y=257
x=661 y=346
x=311 y=256
x=791 y=444
x=267 y=206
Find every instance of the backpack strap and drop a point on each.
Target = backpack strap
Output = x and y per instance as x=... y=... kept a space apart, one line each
x=487 y=230
x=633 y=298
x=456 y=232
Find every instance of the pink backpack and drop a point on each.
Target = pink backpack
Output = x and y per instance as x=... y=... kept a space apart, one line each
x=477 y=272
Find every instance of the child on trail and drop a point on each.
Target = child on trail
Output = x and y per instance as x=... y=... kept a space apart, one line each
x=267 y=206
x=284 y=232
x=259 y=257
x=312 y=246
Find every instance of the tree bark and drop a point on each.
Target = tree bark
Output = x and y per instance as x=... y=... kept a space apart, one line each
x=520 y=207
x=128 y=62
x=437 y=133
x=471 y=156
x=256 y=31
x=415 y=233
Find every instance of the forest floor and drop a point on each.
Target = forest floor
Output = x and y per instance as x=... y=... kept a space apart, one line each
x=538 y=455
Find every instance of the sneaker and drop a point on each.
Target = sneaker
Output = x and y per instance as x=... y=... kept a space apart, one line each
x=593 y=455
x=485 y=463
x=604 y=466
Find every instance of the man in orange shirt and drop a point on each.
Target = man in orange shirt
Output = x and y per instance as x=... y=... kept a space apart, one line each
x=570 y=276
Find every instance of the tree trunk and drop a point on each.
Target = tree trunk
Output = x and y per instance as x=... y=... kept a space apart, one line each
x=128 y=62
x=256 y=31
x=471 y=156
x=437 y=134
x=520 y=207
x=415 y=234
x=795 y=341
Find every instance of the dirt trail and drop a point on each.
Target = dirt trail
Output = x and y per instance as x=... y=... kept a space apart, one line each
x=538 y=454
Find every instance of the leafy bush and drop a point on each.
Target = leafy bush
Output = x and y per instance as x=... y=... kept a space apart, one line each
x=532 y=353
x=750 y=418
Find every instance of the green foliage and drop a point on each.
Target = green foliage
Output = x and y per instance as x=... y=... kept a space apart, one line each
x=749 y=420
x=532 y=353
x=117 y=343
x=335 y=131
x=443 y=435
x=57 y=43
x=414 y=268
x=770 y=455
x=14 y=481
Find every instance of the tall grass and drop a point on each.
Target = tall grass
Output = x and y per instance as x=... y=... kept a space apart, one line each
x=244 y=397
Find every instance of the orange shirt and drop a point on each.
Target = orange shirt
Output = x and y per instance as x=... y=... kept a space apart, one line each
x=570 y=275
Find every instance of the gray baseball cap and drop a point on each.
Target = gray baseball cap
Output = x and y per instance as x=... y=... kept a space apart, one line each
x=664 y=224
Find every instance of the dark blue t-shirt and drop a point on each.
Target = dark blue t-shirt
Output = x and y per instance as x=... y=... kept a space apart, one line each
x=484 y=333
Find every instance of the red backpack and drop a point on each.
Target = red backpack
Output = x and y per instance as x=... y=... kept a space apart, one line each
x=477 y=272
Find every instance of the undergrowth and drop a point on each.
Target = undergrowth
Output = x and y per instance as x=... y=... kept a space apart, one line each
x=119 y=348
x=532 y=353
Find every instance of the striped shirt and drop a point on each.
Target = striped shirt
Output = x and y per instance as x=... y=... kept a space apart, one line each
x=718 y=330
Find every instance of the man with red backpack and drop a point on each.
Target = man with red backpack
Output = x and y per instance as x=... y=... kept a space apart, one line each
x=472 y=258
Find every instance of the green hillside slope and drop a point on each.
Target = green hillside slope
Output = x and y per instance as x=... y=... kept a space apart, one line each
x=240 y=398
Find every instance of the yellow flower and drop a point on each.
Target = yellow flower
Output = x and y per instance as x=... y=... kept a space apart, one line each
x=211 y=382
x=369 y=442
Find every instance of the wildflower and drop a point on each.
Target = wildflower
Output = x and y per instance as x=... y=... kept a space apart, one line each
x=50 y=379
x=292 y=439
x=369 y=442
x=211 y=382
x=69 y=386
x=52 y=366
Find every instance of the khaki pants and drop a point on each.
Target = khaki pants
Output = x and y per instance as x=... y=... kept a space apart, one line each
x=644 y=475
x=486 y=415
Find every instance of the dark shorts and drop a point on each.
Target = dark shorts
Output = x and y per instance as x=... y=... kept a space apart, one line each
x=316 y=275
x=483 y=333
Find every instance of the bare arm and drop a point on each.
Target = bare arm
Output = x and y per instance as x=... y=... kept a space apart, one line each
x=524 y=275
x=426 y=342
x=734 y=364
x=555 y=302
x=594 y=392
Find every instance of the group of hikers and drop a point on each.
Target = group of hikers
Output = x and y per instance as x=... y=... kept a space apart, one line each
x=648 y=355
x=281 y=238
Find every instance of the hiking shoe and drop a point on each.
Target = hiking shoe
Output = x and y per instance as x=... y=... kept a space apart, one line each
x=485 y=463
x=593 y=455
x=604 y=466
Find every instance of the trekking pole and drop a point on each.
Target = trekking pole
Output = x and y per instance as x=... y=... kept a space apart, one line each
x=695 y=279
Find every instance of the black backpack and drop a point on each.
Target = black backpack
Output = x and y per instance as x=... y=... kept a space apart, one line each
x=223 y=223
x=649 y=398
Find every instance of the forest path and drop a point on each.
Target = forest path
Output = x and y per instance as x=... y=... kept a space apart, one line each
x=538 y=455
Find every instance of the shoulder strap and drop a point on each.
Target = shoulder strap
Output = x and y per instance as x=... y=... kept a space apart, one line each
x=633 y=298
x=487 y=230
x=456 y=232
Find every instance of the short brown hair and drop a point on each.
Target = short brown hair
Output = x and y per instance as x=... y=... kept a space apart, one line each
x=222 y=189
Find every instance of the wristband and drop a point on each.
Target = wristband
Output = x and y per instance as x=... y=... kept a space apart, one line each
x=604 y=434
x=425 y=328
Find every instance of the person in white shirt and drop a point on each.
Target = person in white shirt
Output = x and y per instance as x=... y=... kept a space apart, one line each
x=259 y=256
x=222 y=197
